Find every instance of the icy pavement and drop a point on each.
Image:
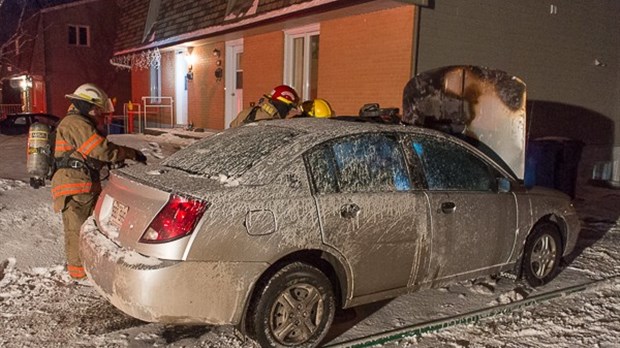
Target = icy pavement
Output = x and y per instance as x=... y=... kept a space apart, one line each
x=40 y=307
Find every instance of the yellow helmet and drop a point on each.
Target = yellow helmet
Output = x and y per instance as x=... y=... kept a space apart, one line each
x=91 y=93
x=318 y=108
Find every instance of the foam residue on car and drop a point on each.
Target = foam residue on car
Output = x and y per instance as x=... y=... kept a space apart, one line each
x=115 y=253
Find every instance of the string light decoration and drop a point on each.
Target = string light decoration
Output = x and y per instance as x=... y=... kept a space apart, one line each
x=140 y=61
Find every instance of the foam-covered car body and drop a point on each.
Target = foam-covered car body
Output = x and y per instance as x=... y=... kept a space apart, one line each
x=381 y=210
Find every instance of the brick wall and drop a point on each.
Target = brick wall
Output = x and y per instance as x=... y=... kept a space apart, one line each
x=205 y=92
x=65 y=66
x=366 y=58
x=263 y=59
x=139 y=84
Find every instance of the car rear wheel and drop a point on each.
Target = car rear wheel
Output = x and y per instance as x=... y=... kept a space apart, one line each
x=542 y=254
x=295 y=307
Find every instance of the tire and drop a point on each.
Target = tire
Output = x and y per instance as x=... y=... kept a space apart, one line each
x=542 y=254
x=295 y=307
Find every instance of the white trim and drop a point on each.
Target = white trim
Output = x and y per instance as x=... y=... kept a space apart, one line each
x=232 y=47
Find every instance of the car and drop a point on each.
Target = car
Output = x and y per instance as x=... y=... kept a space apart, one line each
x=275 y=225
x=15 y=124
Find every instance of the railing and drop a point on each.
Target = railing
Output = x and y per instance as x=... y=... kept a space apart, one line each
x=154 y=112
x=131 y=112
x=6 y=109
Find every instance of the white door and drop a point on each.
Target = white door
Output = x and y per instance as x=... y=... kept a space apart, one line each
x=234 y=80
x=181 y=85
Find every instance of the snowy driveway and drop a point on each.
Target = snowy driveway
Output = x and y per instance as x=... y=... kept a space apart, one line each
x=39 y=307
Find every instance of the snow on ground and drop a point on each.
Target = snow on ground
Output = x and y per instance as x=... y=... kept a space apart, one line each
x=39 y=306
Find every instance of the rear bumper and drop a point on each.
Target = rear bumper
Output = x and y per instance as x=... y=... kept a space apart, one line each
x=156 y=290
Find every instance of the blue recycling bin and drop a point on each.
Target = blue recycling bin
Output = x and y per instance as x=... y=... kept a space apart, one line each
x=553 y=163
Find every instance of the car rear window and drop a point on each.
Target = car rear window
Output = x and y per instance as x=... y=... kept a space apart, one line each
x=231 y=153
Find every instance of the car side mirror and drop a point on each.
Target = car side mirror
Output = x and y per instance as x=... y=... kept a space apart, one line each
x=503 y=185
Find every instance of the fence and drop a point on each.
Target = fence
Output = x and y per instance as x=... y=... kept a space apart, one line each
x=6 y=109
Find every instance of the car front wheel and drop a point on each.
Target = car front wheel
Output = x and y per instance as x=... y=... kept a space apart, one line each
x=295 y=307
x=542 y=254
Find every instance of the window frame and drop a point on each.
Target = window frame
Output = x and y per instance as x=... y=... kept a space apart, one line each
x=290 y=35
x=78 y=41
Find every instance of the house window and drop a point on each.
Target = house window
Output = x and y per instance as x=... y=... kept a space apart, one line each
x=301 y=60
x=79 y=35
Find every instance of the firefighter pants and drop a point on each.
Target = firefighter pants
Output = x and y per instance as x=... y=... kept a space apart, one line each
x=76 y=210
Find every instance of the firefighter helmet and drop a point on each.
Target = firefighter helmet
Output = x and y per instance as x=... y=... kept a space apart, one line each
x=92 y=94
x=285 y=94
x=318 y=108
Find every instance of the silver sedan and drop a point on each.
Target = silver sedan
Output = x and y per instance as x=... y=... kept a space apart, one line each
x=274 y=225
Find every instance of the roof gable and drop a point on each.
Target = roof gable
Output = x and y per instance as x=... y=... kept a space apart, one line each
x=182 y=17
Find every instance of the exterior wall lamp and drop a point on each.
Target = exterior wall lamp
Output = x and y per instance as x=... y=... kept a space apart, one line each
x=218 y=71
x=190 y=64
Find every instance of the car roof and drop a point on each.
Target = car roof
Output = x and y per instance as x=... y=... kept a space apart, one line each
x=324 y=129
x=340 y=126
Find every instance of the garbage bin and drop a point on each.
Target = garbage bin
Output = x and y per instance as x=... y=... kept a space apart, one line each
x=116 y=127
x=553 y=163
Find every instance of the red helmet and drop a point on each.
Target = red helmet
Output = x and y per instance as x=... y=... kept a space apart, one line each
x=285 y=94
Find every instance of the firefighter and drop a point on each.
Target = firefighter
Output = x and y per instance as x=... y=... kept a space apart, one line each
x=280 y=103
x=318 y=108
x=79 y=153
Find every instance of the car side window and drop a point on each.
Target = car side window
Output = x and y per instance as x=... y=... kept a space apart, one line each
x=368 y=163
x=449 y=166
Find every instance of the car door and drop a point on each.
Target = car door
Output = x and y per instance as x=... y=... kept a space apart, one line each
x=474 y=225
x=369 y=210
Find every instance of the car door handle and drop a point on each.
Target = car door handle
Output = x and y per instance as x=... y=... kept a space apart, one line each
x=448 y=207
x=350 y=210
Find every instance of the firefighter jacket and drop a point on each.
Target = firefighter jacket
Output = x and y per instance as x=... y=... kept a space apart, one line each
x=264 y=111
x=77 y=137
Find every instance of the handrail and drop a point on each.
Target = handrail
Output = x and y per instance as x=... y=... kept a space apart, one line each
x=155 y=102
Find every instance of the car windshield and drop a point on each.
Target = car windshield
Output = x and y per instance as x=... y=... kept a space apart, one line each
x=231 y=153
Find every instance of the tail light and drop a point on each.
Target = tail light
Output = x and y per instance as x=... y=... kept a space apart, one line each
x=176 y=220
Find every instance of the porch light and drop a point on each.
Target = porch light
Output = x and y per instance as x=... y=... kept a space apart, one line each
x=190 y=63
x=25 y=82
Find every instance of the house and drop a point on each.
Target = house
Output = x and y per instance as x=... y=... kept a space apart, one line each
x=212 y=58
x=199 y=62
x=65 y=44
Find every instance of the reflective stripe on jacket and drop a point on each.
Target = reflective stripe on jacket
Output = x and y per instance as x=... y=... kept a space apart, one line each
x=77 y=136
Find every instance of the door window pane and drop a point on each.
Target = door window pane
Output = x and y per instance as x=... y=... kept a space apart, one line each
x=239 y=72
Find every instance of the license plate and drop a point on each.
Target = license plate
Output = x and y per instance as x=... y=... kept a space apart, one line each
x=119 y=211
